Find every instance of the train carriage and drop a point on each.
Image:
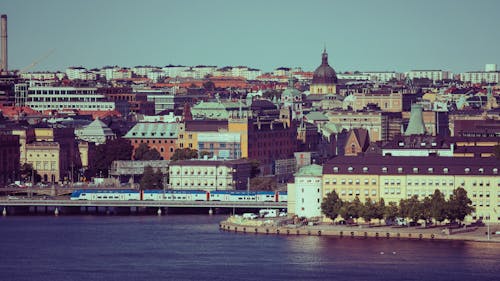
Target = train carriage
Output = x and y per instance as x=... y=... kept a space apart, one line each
x=105 y=194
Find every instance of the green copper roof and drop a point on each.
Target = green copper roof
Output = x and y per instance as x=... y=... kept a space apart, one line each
x=310 y=170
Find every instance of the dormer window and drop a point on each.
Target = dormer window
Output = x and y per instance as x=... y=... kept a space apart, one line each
x=467 y=170
x=495 y=171
x=481 y=170
x=335 y=169
x=365 y=169
x=430 y=170
x=350 y=169
x=415 y=170
x=384 y=169
x=401 y=143
x=400 y=170
x=445 y=170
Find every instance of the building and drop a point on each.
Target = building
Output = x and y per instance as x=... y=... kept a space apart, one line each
x=418 y=145
x=324 y=78
x=396 y=178
x=46 y=158
x=96 y=132
x=9 y=159
x=388 y=101
x=381 y=126
x=160 y=136
x=306 y=193
x=219 y=110
x=434 y=75
x=478 y=77
x=59 y=98
x=210 y=174
x=221 y=145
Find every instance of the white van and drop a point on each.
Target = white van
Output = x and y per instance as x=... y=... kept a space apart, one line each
x=250 y=216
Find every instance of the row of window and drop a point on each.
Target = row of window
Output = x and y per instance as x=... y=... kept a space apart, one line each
x=415 y=170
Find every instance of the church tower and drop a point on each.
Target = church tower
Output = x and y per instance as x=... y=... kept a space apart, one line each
x=324 y=78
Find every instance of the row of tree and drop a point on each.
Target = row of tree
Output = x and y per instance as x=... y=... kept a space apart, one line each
x=436 y=208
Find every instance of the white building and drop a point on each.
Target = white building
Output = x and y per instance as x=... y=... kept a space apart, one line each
x=307 y=191
x=174 y=70
x=59 y=98
x=39 y=76
x=203 y=70
x=383 y=76
x=480 y=76
x=155 y=75
x=143 y=70
x=354 y=76
x=433 y=75
x=74 y=73
x=490 y=67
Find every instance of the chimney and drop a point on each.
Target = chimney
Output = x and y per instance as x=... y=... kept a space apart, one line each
x=416 y=125
x=4 y=44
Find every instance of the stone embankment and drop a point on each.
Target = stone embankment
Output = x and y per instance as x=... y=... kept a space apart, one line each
x=277 y=227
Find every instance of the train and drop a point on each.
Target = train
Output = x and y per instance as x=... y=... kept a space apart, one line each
x=179 y=195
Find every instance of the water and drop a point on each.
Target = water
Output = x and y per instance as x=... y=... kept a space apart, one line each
x=190 y=247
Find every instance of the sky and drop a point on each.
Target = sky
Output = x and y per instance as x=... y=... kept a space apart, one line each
x=364 y=35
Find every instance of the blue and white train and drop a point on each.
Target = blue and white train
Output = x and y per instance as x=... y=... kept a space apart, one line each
x=179 y=195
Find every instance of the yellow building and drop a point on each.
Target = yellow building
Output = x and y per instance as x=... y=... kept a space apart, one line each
x=324 y=78
x=395 y=178
x=45 y=158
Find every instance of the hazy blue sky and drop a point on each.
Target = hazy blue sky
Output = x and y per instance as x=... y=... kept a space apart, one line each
x=359 y=35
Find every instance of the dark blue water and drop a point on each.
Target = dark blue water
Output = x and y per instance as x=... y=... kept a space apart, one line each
x=190 y=247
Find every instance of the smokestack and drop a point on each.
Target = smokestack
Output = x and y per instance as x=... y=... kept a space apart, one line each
x=4 y=44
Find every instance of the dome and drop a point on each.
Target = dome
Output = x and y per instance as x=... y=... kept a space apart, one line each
x=324 y=74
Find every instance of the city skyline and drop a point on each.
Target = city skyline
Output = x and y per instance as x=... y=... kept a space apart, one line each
x=359 y=35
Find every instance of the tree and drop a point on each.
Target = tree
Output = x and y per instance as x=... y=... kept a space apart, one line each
x=459 y=205
x=151 y=179
x=143 y=152
x=351 y=210
x=331 y=205
x=438 y=206
x=379 y=209
x=263 y=183
x=255 y=171
x=391 y=211
x=209 y=85
x=105 y=154
x=27 y=172
x=184 y=153
x=368 y=210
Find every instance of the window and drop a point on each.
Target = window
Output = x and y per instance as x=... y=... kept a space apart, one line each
x=365 y=169
x=384 y=169
x=430 y=170
x=335 y=169
x=445 y=170
x=400 y=170
x=415 y=170
x=350 y=169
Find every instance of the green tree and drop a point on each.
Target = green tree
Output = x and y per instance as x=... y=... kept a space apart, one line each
x=143 y=152
x=255 y=171
x=368 y=210
x=209 y=85
x=459 y=205
x=379 y=209
x=184 y=153
x=204 y=153
x=410 y=208
x=105 y=154
x=151 y=179
x=391 y=211
x=438 y=206
x=331 y=205
x=27 y=172
x=263 y=183
x=351 y=210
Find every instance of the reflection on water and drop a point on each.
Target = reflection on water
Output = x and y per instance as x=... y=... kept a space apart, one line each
x=192 y=248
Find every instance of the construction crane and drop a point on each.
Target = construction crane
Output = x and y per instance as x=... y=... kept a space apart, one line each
x=34 y=63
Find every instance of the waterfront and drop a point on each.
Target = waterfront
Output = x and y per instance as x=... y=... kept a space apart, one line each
x=190 y=247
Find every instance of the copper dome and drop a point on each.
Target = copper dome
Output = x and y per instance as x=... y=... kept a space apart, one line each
x=324 y=74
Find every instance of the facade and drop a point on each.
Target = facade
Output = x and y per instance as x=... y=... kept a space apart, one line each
x=58 y=98
x=388 y=101
x=324 y=78
x=477 y=77
x=160 y=136
x=9 y=159
x=210 y=174
x=307 y=191
x=26 y=135
x=189 y=130
x=218 y=110
x=46 y=158
x=434 y=75
x=381 y=126
x=418 y=145
x=222 y=145
x=396 y=178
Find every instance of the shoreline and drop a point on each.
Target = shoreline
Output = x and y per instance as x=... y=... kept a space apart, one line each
x=476 y=234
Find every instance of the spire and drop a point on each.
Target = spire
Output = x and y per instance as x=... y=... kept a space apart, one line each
x=416 y=124
x=324 y=58
x=290 y=81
